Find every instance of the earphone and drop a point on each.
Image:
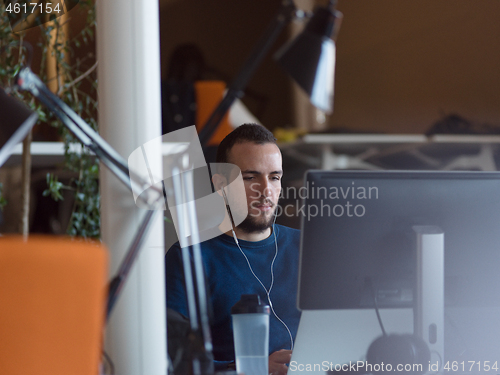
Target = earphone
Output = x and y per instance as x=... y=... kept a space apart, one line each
x=268 y=291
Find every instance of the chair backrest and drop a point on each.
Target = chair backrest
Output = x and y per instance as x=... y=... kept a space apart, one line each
x=208 y=96
x=52 y=295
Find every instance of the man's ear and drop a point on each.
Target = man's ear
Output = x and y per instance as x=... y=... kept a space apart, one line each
x=219 y=182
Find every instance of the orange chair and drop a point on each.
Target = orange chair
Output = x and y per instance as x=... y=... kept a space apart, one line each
x=208 y=96
x=52 y=293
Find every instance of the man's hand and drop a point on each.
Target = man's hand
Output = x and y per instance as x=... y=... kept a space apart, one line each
x=278 y=361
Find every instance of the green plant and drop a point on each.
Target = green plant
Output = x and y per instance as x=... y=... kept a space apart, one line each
x=76 y=85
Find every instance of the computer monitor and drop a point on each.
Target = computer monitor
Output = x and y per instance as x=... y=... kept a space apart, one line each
x=358 y=243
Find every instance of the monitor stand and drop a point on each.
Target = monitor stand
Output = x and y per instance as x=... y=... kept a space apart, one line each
x=429 y=291
x=327 y=339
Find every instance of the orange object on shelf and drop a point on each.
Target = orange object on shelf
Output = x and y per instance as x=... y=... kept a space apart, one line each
x=208 y=96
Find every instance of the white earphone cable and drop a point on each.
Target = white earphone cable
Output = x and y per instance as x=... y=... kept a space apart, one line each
x=268 y=292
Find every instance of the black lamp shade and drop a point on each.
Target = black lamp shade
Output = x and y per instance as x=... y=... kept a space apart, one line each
x=16 y=120
x=310 y=58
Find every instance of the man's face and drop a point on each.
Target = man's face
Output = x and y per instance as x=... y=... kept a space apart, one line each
x=261 y=169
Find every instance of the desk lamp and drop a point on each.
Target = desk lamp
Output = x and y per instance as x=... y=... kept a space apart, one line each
x=309 y=59
x=15 y=122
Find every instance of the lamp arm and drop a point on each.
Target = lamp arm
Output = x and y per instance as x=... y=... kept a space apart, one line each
x=235 y=89
x=120 y=174
x=116 y=284
x=27 y=80
x=199 y=347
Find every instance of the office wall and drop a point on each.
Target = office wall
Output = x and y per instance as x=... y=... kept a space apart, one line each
x=401 y=64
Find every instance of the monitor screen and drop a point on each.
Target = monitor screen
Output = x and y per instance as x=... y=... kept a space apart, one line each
x=358 y=239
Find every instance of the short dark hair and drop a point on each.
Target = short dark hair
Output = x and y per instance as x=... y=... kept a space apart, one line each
x=245 y=133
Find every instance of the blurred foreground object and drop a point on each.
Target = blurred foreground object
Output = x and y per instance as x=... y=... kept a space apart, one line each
x=53 y=291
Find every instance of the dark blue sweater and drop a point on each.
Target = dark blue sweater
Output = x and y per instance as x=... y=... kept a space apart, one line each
x=229 y=277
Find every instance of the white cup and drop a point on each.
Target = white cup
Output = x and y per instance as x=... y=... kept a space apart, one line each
x=251 y=335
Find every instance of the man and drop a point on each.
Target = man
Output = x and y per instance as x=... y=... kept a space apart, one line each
x=266 y=253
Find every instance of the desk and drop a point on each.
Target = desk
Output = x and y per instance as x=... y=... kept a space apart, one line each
x=350 y=151
x=393 y=151
x=44 y=154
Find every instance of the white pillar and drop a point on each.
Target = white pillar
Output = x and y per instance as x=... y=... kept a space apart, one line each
x=129 y=115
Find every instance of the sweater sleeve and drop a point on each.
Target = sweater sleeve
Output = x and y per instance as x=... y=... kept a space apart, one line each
x=176 y=294
x=174 y=277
